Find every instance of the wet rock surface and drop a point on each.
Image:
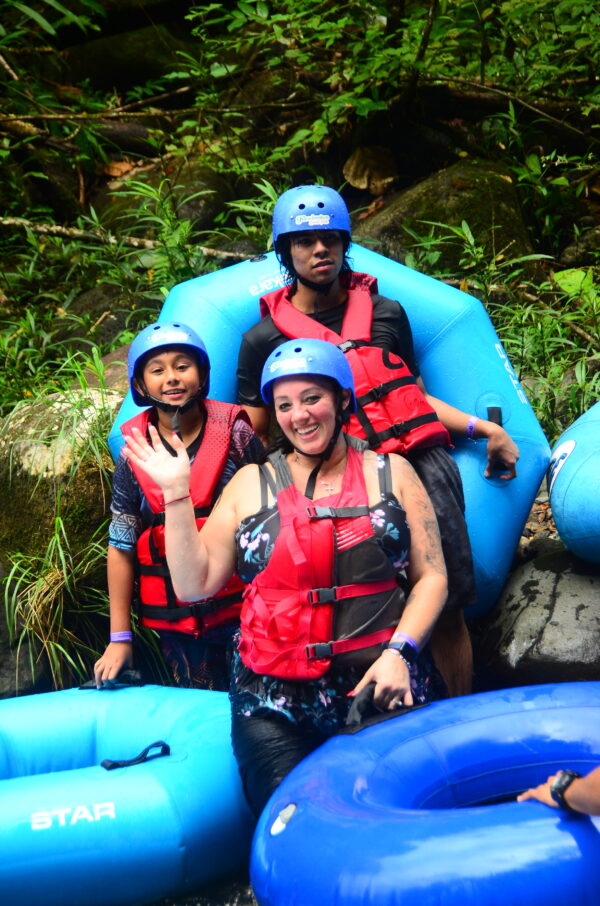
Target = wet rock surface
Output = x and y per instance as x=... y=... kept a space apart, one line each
x=228 y=893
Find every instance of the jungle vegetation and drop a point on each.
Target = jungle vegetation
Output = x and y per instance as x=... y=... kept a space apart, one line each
x=266 y=95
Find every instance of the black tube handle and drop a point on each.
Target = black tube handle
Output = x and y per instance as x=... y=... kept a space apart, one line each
x=145 y=755
x=495 y=415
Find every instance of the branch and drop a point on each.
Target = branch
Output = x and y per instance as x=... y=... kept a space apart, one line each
x=488 y=89
x=127 y=114
x=6 y=65
x=51 y=229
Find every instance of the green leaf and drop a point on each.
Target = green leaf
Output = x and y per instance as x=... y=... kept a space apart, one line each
x=37 y=17
x=218 y=70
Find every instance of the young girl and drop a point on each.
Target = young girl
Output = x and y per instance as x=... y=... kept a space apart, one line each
x=169 y=372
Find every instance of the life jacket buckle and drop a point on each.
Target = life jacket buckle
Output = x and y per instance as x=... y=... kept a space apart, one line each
x=399 y=429
x=319 y=512
x=322 y=595
x=319 y=651
x=378 y=392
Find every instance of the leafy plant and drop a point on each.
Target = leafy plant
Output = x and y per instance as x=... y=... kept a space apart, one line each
x=251 y=217
x=175 y=258
x=52 y=611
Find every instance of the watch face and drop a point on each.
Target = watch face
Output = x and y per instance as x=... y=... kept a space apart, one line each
x=560 y=785
x=407 y=651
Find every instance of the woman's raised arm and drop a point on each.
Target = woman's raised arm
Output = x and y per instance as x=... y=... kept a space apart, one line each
x=199 y=563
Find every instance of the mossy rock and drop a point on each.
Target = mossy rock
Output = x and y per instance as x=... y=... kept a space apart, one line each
x=54 y=460
x=475 y=191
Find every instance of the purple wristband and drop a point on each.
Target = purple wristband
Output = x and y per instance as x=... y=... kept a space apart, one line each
x=407 y=638
x=471 y=426
x=125 y=636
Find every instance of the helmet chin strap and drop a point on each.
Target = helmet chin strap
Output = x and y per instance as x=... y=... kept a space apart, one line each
x=174 y=411
x=322 y=457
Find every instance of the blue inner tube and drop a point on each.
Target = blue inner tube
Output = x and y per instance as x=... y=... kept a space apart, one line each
x=73 y=832
x=574 y=485
x=462 y=362
x=420 y=809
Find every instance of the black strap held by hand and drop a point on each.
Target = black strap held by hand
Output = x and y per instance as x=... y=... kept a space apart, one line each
x=364 y=712
x=146 y=755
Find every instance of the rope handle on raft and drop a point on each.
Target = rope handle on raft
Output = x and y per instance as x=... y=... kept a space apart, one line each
x=146 y=755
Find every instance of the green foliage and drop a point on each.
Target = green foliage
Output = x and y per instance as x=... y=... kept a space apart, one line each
x=251 y=217
x=551 y=332
x=269 y=90
x=52 y=612
x=174 y=258
x=550 y=184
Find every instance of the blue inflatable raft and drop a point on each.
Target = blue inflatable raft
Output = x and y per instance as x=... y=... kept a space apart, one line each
x=461 y=359
x=75 y=831
x=421 y=809
x=574 y=486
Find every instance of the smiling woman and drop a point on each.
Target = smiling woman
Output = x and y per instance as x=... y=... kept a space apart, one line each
x=320 y=532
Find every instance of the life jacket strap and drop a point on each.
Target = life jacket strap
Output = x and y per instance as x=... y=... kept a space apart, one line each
x=332 y=512
x=200 y=512
x=377 y=393
x=346 y=345
x=376 y=438
x=321 y=650
x=197 y=609
x=341 y=592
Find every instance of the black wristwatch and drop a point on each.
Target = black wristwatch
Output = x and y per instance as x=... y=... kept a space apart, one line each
x=405 y=649
x=560 y=785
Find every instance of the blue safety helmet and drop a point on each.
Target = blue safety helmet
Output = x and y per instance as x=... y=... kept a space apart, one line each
x=318 y=358
x=310 y=208
x=155 y=337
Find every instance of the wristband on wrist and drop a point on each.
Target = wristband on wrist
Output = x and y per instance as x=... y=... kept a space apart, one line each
x=471 y=427
x=404 y=649
x=125 y=636
x=398 y=654
x=402 y=636
x=176 y=500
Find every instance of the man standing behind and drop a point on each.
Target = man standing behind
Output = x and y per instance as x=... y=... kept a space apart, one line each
x=325 y=299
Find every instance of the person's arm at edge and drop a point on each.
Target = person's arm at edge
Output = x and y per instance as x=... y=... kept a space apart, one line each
x=582 y=795
x=248 y=377
x=260 y=417
x=501 y=449
x=429 y=587
x=120 y=568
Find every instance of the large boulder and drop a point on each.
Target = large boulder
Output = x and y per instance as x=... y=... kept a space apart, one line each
x=54 y=479
x=546 y=626
x=478 y=192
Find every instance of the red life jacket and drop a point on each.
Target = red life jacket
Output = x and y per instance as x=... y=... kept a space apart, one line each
x=329 y=589
x=160 y=607
x=392 y=414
